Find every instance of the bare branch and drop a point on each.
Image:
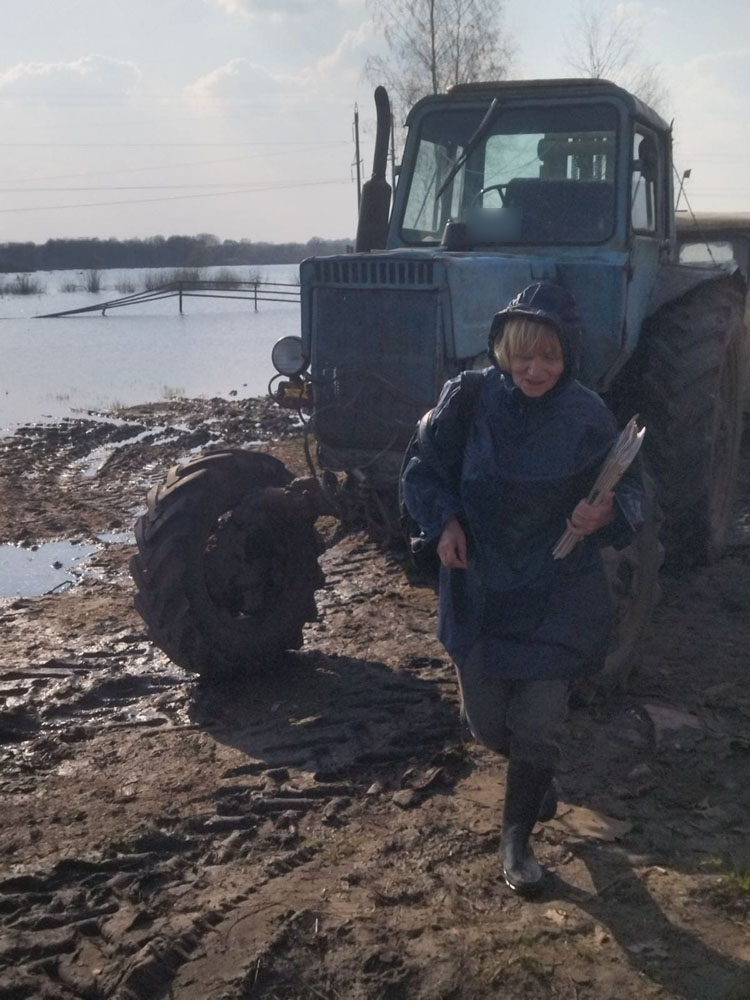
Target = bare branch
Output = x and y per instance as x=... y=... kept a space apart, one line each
x=435 y=44
x=609 y=47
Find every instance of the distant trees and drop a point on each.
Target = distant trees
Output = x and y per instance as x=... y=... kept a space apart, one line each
x=434 y=44
x=609 y=46
x=203 y=250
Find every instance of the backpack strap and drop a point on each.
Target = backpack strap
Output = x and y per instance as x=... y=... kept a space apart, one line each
x=423 y=554
x=470 y=386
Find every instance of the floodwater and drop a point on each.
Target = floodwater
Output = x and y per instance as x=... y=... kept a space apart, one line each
x=51 y=368
x=42 y=568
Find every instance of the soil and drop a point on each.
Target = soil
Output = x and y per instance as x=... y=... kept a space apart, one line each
x=325 y=829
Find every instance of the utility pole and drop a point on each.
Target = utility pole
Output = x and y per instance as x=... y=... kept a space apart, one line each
x=357 y=158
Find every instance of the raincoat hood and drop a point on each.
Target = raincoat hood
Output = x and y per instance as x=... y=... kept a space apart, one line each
x=548 y=303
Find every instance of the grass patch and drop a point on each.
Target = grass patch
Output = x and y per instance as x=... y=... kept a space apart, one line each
x=172 y=392
x=227 y=276
x=732 y=889
x=230 y=276
x=71 y=286
x=125 y=287
x=738 y=879
x=23 y=284
x=160 y=278
x=93 y=280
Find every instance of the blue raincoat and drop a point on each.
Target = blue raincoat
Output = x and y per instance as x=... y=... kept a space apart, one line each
x=525 y=464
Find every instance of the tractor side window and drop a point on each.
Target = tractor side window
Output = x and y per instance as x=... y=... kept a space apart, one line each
x=644 y=183
x=427 y=214
x=707 y=253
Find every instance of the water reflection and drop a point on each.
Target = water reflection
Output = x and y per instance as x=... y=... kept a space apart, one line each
x=27 y=572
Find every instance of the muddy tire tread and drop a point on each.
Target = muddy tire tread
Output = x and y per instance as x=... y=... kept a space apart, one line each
x=689 y=343
x=172 y=595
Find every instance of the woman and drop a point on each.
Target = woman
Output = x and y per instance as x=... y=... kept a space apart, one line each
x=518 y=623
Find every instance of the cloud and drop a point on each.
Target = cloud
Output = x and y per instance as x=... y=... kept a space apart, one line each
x=347 y=55
x=276 y=9
x=719 y=79
x=636 y=10
x=338 y=69
x=239 y=77
x=90 y=76
x=712 y=94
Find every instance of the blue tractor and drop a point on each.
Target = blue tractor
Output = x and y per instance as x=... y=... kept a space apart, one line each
x=500 y=184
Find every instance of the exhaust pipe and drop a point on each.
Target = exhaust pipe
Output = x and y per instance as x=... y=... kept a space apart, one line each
x=372 y=227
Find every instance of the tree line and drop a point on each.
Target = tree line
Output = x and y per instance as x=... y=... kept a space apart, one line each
x=203 y=250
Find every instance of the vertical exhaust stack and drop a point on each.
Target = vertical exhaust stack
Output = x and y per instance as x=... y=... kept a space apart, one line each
x=372 y=228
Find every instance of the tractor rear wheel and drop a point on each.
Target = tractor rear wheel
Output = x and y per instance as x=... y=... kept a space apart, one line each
x=693 y=413
x=633 y=575
x=226 y=569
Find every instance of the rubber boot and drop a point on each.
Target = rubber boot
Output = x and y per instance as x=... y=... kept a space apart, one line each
x=548 y=808
x=525 y=788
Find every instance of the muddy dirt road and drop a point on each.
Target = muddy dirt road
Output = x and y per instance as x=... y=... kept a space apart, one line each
x=324 y=831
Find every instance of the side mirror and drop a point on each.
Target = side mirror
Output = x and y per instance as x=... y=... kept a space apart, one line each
x=647 y=163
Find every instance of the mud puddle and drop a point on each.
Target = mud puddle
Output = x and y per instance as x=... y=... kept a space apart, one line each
x=40 y=569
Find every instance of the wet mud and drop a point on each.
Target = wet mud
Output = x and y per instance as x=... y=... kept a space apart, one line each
x=323 y=827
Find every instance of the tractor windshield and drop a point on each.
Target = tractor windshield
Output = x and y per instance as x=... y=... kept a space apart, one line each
x=537 y=175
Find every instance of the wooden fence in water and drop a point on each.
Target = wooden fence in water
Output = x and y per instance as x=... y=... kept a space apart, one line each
x=253 y=291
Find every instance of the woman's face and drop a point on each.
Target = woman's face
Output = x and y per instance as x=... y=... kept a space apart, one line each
x=536 y=372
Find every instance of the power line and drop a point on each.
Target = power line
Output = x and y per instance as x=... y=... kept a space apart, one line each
x=178 y=197
x=739 y=195
x=150 y=99
x=149 y=145
x=114 y=187
x=303 y=148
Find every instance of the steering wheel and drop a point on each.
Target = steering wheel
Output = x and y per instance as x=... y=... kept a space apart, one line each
x=500 y=188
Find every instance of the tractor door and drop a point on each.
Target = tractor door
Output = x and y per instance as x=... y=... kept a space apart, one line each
x=648 y=208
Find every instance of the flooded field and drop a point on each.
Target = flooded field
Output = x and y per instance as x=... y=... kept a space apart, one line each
x=52 y=368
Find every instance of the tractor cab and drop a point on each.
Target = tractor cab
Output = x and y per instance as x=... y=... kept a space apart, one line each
x=537 y=164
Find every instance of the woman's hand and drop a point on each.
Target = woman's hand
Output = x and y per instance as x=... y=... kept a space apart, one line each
x=585 y=519
x=451 y=547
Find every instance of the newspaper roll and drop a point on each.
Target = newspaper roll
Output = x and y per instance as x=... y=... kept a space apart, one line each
x=615 y=465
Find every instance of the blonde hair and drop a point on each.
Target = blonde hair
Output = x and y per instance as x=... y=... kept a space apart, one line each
x=521 y=335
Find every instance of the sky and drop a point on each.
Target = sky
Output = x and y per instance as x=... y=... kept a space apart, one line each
x=235 y=117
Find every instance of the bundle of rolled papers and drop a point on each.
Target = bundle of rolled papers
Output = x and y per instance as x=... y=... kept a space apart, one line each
x=616 y=463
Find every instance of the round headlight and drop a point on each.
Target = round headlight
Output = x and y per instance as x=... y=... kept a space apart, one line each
x=287 y=356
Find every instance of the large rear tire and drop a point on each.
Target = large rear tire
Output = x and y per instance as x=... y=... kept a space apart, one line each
x=633 y=575
x=226 y=569
x=692 y=407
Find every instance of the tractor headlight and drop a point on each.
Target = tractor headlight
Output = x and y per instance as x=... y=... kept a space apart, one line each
x=287 y=356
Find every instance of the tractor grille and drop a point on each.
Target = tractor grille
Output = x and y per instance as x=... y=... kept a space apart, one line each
x=375 y=361
x=380 y=271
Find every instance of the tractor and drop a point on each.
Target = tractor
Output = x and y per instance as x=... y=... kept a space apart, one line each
x=500 y=184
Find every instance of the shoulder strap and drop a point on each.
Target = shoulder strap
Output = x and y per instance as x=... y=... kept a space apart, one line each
x=471 y=383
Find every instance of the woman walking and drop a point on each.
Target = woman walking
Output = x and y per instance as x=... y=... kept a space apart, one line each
x=519 y=624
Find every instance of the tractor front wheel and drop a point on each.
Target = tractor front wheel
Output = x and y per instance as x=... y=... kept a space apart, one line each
x=227 y=563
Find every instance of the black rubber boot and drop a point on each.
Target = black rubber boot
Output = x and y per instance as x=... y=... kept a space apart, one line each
x=525 y=788
x=548 y=808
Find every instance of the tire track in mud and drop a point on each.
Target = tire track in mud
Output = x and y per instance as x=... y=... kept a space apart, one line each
x=124 y=920
x=92 y=471
x=319 y=830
